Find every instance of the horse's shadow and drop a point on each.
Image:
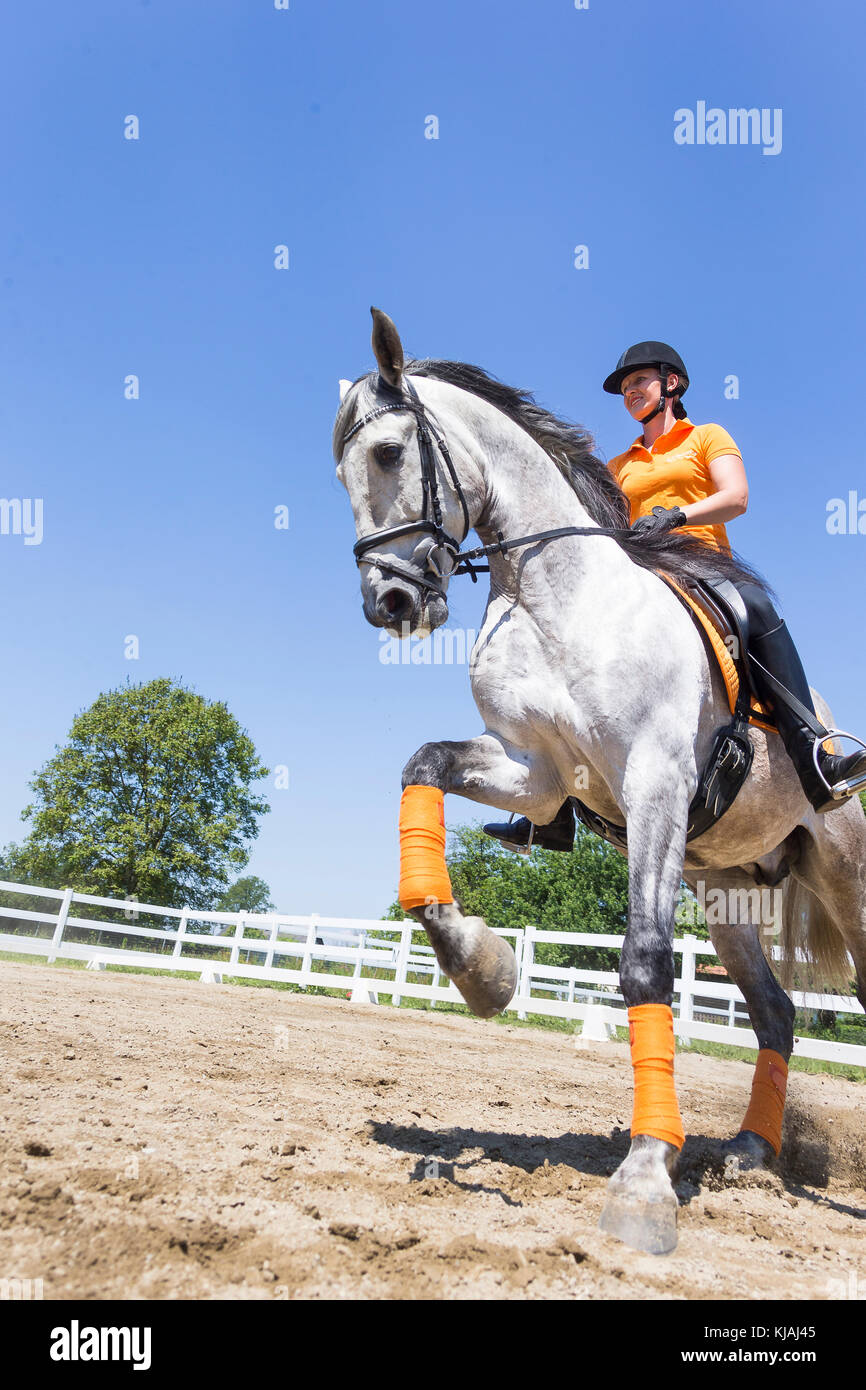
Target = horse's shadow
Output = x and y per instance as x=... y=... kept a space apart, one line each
x=703 y=1166
x=445 y=1152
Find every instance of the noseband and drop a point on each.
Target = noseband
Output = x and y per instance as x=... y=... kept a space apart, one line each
x=430 y=521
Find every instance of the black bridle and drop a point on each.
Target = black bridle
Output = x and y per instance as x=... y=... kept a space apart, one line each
x=431 y=517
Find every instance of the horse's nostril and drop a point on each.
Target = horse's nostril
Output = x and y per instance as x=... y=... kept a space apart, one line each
x=396 y=602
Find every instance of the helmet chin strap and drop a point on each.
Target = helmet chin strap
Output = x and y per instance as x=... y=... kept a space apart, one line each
x=663 y=398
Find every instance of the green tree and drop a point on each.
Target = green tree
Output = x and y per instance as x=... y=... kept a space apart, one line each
x=150 y=798
x=34 y=864
x=250 y=894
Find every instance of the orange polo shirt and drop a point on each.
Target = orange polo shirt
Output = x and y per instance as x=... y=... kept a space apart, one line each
x=674 y=472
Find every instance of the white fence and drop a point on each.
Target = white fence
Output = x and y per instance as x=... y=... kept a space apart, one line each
x=289 y=948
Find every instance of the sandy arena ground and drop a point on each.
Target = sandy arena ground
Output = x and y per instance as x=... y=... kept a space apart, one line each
x=160 y=1138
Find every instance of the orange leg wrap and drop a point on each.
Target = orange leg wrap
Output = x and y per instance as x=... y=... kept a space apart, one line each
x=767 y=1105
x=656 y=1112
x=423 y=872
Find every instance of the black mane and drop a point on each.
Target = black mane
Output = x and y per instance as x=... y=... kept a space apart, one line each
x=570 y=447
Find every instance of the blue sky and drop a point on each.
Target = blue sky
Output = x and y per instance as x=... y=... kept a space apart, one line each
x=306 y=127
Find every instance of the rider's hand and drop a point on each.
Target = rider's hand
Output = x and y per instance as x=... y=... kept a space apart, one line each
x=661 y=519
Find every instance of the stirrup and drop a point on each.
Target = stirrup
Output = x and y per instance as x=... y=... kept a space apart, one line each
x=520 y=849
x=842 y=790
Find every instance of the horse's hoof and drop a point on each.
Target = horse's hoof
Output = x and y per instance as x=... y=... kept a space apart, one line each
x=650 y=1226
x=487 y=978
x=746 y=1152
x=641 y=1205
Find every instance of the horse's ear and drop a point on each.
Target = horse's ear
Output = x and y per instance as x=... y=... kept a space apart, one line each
x=344 y=387
x=388 y=349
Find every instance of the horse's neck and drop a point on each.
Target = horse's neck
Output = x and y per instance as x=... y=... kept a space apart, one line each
x=526 y=493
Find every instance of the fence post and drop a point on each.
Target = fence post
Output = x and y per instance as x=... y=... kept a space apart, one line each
x=687 y=984
x=524 y=976
x=518 y=956
x=400 y=964
x=274 y=932
x=62 y=914
x=307 y=962
x=362 y=946
x=434 y=980
x=181 y=931
x=238 y=937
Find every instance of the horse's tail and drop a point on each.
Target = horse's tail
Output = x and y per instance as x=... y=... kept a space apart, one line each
x=813 y=952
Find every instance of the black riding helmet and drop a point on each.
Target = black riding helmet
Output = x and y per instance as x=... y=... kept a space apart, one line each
x=663 y=357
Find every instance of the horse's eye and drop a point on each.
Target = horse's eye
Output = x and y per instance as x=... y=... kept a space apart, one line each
x=388 y=454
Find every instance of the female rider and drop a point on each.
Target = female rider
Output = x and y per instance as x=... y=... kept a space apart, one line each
x=677 y=474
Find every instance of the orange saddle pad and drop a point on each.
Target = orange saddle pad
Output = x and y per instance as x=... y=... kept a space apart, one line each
x=759 y=714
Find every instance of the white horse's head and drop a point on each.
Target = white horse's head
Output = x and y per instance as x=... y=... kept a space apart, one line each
x=411 y=512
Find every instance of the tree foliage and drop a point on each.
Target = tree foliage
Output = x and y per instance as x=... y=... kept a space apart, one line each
x=249 y=894
x=150 y=798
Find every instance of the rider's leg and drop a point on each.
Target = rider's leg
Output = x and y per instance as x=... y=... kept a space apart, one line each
x=772 y=645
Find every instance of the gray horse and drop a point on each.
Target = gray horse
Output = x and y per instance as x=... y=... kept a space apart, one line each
x=589 y=675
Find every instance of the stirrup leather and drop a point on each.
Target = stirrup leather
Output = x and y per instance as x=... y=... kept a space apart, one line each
x=842 y=790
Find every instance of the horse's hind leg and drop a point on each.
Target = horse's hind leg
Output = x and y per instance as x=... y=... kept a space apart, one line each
x=480 y=963
x=737 y=911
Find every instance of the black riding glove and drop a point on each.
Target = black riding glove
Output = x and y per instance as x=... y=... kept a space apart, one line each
x=662 y=519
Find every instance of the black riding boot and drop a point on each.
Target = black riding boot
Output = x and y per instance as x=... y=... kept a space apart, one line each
x=557 y=834
x=777 y=652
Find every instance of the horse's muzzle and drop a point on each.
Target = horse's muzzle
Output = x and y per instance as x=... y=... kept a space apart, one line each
x=401 y=607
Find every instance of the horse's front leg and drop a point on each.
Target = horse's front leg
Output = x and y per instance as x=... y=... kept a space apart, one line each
x=641 y=1205
x=481 y=964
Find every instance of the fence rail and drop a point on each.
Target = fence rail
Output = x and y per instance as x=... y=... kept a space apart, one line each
x=288 y=948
